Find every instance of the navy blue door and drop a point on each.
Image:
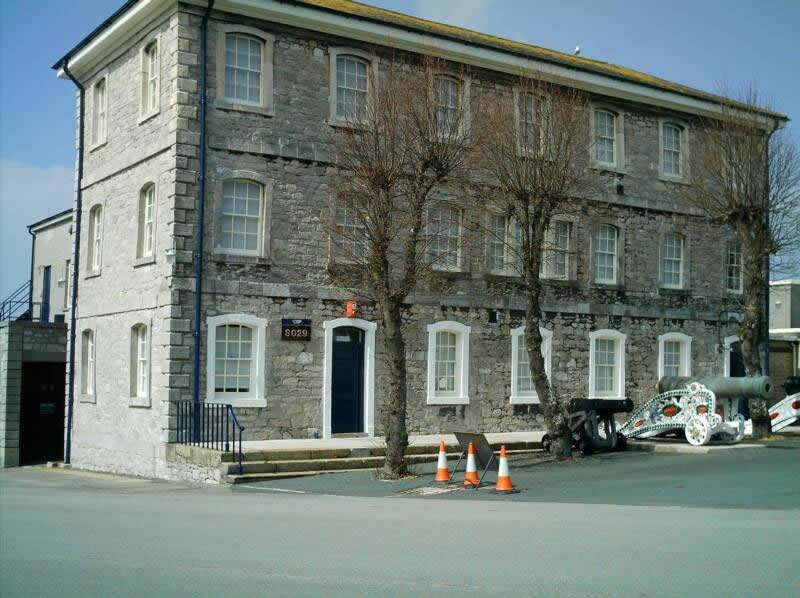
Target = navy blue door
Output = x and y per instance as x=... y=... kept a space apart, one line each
x=46 y=294
x=347 y=383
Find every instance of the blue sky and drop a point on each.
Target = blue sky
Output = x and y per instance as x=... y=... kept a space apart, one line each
x=701 y=43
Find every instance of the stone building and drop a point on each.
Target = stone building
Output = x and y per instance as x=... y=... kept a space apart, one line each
x=644 y=287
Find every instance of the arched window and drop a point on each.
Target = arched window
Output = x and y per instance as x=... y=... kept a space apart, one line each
x=352 y=78
x=605 y=137
x=673 y=251
x=444 y=225
x=522 y=389
x=145 y=245
x=100 y=111
x=607 y=364
x=241 y=225
x=243 y=68
x=95 y=260
x=604 y=262
x=87 y=362
x=235 y=370
x=674 y=354
x=150 y=79
x=140 y=362
x=448 y=363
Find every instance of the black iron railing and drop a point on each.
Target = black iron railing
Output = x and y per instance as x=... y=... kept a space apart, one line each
x=210 y=425
x=18 y=305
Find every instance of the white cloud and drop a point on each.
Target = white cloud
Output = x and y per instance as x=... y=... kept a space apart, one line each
x=470 y=14
x=27 y=193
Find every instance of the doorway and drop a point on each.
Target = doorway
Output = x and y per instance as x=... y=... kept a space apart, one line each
x=347 y=381
x=41 y=426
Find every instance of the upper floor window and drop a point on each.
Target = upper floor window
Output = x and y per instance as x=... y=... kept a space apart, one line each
x=448 y=363
x=529 y=131
x=351 y=87
x=139 y=363
x=733 y=267
x=95 y=239
x=150 y=79
x=235 y=371
x=99 y=111
x=350 y=241
x=555 y=262
x=671 y=151
x=87 y=362
x=672 y=258
x=147 y=206
x=503 y=242
x=241 y=217
x=448 y=103
x=605 y=137
x=244 y=68
x=674 y=354
x=522 y=388
x=444 y=222
x=606 y=364
x=604 y=265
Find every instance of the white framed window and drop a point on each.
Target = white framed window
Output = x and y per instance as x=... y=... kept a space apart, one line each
x=140 y=364
x=673 y=149
x=556 y=262
x=349 y=242
x=150 y=83
x=503 y=240
x=448 y=101
x=353 y=74
x=607 y=364
x=100 y=111
x=67 y=285
x=448 y=363
x=674 y=354
x=241 y=221
x=235 y=362
x=608 y=145
x=145 y=243
x=733 y=267
x=95 y=261
x=672 y=259
x=604 y=258
x=244 y=69
x=88 y=362
x=444 y=226
x=522 y=389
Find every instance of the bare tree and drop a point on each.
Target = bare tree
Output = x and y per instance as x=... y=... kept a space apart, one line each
x=532 y=151
x=744 y=172
x=405 y=138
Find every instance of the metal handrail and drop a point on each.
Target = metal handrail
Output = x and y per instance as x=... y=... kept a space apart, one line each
x=213 y=426
x=17 y=305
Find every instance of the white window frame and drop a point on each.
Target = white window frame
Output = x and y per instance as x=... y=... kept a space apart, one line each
x=266 y=105
x=620 y=339
x=518 y=339
x=88 y=365
x=663 y=259
x=509 y=244
x=256 y=397
x=618 y=165
x=547 y=269
x=372 y=77
x=354 y=255
x=146 y=95
x=143 y=254
x=731 y=244
x=685 y=341
x=613 y=280
x=99 y=136
x=436 y=262
x=94 y=264
x=140 y=366
x=464 y=83
x=460 y=396
x=259 y=250
x=683 y=157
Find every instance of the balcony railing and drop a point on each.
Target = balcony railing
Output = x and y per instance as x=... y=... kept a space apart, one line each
x=18 y=305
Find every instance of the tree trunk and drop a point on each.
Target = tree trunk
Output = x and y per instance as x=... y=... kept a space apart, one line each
x=555 y=413
x=393 y=415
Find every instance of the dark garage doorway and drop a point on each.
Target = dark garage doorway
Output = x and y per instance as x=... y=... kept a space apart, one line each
x=347 y=384
x=41 y=427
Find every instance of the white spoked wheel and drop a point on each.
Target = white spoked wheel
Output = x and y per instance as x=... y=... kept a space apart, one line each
x=698 y=431
x=738 y=420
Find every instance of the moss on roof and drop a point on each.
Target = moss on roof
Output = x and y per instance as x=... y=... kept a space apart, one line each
x=389 y=17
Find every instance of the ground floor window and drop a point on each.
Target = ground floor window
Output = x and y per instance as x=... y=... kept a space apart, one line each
x=235 y=368
x=522 y=389
x=607 y=364
x=674 y=354
x=448 y=363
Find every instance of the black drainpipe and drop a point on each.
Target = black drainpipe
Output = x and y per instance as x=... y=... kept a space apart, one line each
x=30 y=290
x=201 y=201
x=76 y=252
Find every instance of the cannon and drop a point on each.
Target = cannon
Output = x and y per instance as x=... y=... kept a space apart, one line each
x=700 y=407
x=593 y=426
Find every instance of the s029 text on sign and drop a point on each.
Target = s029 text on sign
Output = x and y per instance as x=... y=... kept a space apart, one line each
x=295 y=329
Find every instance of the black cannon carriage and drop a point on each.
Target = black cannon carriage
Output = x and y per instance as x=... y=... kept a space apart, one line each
x=593 y=426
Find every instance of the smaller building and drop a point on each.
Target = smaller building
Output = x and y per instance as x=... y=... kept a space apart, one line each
x=51 y=252
x=784 y=332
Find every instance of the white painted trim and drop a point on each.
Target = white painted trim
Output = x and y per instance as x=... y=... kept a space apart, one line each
x=621 y=339
x=683 y=177
x=727 y=343
x=144 y=113
x=369 y=329
x=372 y=79
x=682 y=283
x=264 y=212
x=686 y=352
x=95 y=141
x=267 y=104
x=517 y=335
x=461 y=394
x=256 y=397
x=619 y=138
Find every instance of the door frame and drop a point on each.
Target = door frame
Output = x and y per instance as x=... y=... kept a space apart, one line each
x=369 y=372
x=727 y=346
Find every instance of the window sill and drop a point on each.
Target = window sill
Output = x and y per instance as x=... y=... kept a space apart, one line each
x=144 y=261
x=222 y=257
x=139 y=402
x=228 y=105
x=607 y=286
x=566 y=282
x=340 y=123
x=678 y=180
x=516 y=400
x=732 y=292
x=598 y=166
x=243 y=403
x=445 y=270
x=673 y=291
x=87 y=398
x=92 y=274
x=448 y=401
x=596 y=398
x=145 y=117
x=502 y=274
x=97 y=145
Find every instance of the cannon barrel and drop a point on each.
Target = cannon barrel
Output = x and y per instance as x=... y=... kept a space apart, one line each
x=724 y=388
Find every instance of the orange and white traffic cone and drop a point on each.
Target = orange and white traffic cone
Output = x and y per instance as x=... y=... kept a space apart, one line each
x=503 y=478
x=471 y=475
x=442 y=471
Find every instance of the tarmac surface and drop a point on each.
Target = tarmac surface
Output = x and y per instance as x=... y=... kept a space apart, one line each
x=633 y=524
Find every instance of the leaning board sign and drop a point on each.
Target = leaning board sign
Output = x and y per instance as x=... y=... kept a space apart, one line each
x=295 y=330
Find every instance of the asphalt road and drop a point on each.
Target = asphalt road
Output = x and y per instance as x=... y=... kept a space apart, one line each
x=624 y=525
